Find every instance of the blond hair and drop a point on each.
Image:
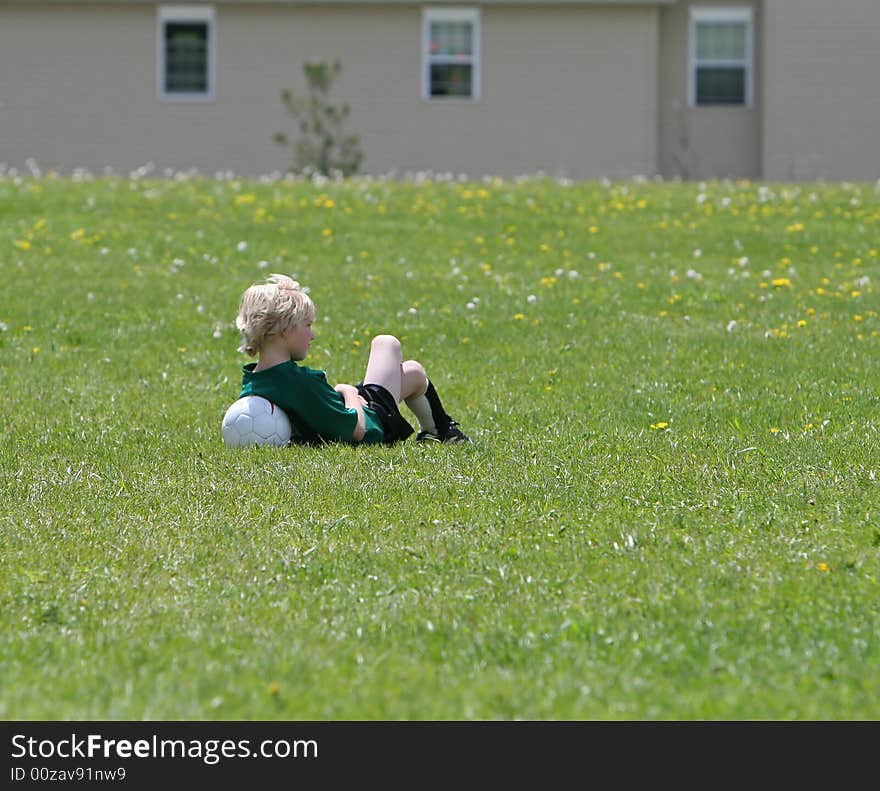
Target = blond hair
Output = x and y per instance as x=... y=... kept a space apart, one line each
x=271 y=308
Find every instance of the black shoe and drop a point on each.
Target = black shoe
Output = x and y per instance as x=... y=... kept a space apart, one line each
x=452 y=434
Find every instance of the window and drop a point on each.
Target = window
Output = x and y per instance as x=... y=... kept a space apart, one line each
x=721 y=57
x=451 y=53
x=185 y=52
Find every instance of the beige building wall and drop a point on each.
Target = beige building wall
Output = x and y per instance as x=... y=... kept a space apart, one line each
x=569 y=91
x=77 y=85
x=822 y=116
x=705 y=142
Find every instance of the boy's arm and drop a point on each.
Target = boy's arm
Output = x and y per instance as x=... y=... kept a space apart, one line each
x=353 y=400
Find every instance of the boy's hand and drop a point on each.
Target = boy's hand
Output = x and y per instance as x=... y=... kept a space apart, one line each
x=348 y=392
x=354 y=400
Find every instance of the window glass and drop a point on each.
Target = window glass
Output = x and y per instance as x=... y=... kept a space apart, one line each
x=186 y=57
x=719 y=85
x=721 y=41
x=721 y=68
x=451 y=38
x=450 y=53
x=451 y=80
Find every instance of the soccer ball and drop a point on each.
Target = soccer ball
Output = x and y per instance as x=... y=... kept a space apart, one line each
x=252 y=420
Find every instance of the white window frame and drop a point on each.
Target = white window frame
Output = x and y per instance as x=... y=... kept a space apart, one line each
x=450 y=14
x=186 y=13
x=722 y=14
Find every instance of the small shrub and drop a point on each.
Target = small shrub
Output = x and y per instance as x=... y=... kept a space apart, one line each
x=322 y=145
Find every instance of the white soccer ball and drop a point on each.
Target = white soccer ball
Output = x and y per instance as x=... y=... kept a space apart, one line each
x=252 y=420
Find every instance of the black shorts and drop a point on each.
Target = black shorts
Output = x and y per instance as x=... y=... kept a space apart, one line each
x=394 y=425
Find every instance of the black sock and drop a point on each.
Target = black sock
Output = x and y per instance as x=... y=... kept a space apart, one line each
x=441 y=419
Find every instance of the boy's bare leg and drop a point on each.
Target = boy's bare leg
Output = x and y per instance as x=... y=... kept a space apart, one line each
x=385 y=366
x=408 y=381
x=415 y=380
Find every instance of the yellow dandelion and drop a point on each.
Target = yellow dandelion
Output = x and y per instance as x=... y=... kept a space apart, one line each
x=23 y=244
x=774 y=430
x=802 y=323
x=518 y=316
x=780 y=282
x=659 y=425
x=823 y=567
x=855 y=294
x=36 y=350
x=327 y=232
x=857 y=317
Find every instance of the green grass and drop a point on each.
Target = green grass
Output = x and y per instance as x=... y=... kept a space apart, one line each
x=670 y=511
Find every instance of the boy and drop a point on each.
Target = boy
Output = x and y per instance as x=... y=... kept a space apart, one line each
x=275 y=320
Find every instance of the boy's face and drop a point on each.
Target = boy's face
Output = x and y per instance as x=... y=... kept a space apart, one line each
x=298 y=339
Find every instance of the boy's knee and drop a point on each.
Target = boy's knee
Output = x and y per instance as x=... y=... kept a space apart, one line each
x=387 y=342
x=414 y=367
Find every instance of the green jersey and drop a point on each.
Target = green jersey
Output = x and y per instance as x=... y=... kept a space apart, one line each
x=317 y=412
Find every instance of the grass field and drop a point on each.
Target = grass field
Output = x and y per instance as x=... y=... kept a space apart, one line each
x=670 y=511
